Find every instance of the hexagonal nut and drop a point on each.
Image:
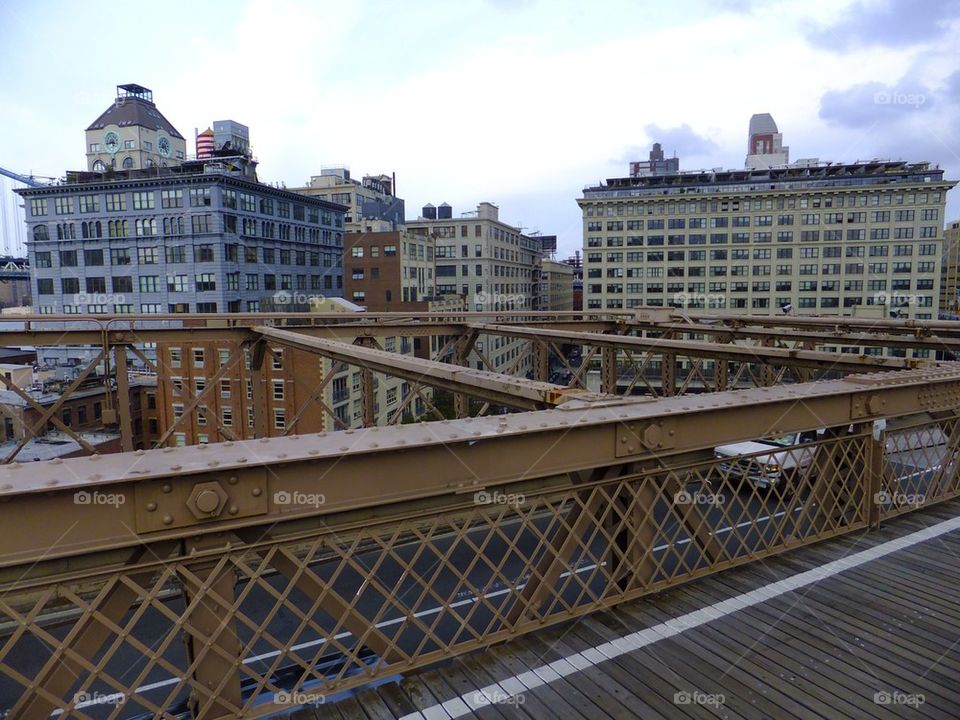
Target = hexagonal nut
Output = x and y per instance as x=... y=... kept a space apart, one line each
x=207 y=500
x=875 y=404
x=652 y=436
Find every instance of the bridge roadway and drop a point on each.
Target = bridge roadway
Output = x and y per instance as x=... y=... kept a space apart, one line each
x=863 y=626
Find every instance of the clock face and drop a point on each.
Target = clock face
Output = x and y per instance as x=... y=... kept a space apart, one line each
x=163 y=145
x=111 y=142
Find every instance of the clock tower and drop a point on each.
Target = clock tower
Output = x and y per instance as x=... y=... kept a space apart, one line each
x=132 y=134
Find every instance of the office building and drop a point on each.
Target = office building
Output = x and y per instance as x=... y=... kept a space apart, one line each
x=765 y=146
x=199 y=236
x=556 y=286
x=372 y=204
x=490 y=264
x=389 y=271
x=656 y=164
x=804 y=239
x=289 y=389
x=950 y=274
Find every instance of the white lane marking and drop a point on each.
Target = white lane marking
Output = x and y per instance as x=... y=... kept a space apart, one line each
x=627 y=643
x=423 y=613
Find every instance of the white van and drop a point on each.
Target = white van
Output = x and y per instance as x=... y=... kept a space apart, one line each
x=774 y=465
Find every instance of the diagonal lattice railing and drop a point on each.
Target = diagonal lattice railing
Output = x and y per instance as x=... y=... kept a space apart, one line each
x=445 y=582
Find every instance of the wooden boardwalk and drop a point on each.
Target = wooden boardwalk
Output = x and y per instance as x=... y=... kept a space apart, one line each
x=865 y=626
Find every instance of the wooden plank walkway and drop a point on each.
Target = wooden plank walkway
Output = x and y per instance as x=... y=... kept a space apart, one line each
x=879 y=637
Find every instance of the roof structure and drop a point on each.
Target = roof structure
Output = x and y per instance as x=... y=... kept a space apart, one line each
x=129 y=110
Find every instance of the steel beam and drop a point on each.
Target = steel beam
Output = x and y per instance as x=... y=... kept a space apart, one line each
x=463 y=456
x=493 y=387
x=843 y=362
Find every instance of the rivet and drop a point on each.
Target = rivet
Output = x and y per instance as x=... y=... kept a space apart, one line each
x=139 y=452
x=212 y=463
x=232 y=479
x=167 y=449
x=264 y=440
x=233 y=510
x=167 y=487
x=343 y=448
x=314 y=451
x=56 y=461
x=151 y=506
x=281 y=456
x=53 y=482
x=257 y=492
x=167 y=519
x=175 y=468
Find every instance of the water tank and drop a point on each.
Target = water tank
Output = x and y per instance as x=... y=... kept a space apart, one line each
x=444 y=212
x=429 y=212
x=205 y=144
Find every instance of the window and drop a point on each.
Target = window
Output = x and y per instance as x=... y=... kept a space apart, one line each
x=279 y=418
x=200 y=197
x=147 y=256
x=96 y=284
x=122 y=283
x=171 y=198
x=120 y=256
x=149 y=284
x=206 y=282
x=203 y=253
x=143 y=200
x=93 y=257
x=89 y=203
x=116 y=202
x=42 y=259
x=177 y=283
x=63 y=205
x=226 y=416
x=44 y=286
x=278 y=389
x=225 y=388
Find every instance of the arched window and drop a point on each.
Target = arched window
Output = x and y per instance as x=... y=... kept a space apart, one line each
x=98 y=166
x=84 y=231
x=99 y=229
x=128 y=163
x=60 y=232
x=41 y=233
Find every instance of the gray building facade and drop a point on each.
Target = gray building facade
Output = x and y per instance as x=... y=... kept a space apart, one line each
x=197 y=238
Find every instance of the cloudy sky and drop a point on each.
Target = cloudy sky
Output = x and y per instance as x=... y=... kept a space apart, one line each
x=519 y=102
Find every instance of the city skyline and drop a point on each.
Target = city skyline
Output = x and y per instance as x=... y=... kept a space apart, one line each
x=500 y=101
